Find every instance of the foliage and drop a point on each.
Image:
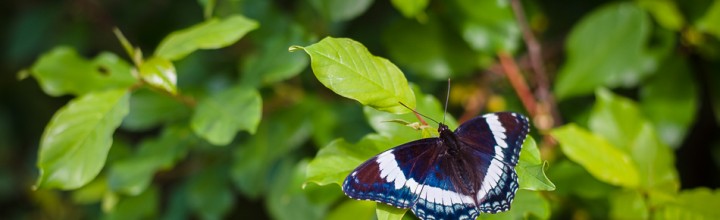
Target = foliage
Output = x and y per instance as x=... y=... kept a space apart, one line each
x=259 y=109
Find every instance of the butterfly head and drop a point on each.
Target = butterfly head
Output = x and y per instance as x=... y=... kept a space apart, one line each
x=444 y=129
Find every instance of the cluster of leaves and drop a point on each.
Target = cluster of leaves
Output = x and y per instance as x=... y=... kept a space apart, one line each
x=169 y=136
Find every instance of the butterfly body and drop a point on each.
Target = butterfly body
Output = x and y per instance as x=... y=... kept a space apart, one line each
x=454 y=176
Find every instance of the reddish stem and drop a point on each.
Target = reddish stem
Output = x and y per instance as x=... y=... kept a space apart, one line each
x=518 y=82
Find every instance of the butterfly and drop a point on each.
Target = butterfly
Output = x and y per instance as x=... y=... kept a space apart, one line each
x=457 y=175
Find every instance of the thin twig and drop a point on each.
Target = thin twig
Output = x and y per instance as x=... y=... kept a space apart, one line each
x=548 y=106
x=518 y=83
x=534 y=48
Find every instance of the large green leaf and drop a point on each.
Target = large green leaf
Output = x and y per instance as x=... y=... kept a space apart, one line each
x=410 y=8
x=597 y=156
x=429 y=49
x=211 y=34
x=159 y=73
x=350 y=70
x=340 y=10
x=63 y=71
x=76 y=142
x=671 y=110
x=488 y=26
x=531 y=169
x=218 y=118
x=527 y=204
x=700 y=203
x=615 y=57
x=619 y=121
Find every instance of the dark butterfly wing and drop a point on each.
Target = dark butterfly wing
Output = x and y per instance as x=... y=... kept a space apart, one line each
x=444 y=194
x=499 y=134
x=497 y=137
x=412 y=175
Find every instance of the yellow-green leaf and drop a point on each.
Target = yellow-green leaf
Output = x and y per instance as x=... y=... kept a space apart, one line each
x=604 y=161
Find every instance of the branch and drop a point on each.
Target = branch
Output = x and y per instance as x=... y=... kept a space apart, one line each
x=518 y=83
x=548 y=115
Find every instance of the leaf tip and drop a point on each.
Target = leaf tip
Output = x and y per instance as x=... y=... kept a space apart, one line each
x=294 y=48
x=22 y=74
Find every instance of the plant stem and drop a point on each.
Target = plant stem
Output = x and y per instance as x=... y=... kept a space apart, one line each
x=548 y=106
x=518 y=83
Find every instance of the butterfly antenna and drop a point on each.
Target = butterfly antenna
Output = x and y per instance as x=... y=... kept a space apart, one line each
x=447 y=97
x=418 y=113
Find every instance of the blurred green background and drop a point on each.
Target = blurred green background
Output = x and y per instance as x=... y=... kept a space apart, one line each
x=639 y=79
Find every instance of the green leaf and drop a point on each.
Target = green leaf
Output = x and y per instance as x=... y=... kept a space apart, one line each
x=387 y=212
x=92 y=192
x=708 y=23
x=672 y=111
x=665 y=12
x=348 y=69
x=63 y=71
x=525 y=205
x=619 y=120
x=699 y=203
x=254 y=160
x=353 y=209
x=132 y=175
x=530 y=153
x=488 y=26
x=176 y=205
x=76 y=142
x=531 y=170
x=271 y=63
x=398 y=134
x=209 y=193
x=410 y=8
x=628 y=204
x=159 y=73
x=572 y=179
x=143 y=206
x=617 y=57
x=150 y=109
x=218 y=118
x=429 y=50
x=335 y=161
x=211 y=34
x=286 y=199
x=340 y=10
x=612 y=165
